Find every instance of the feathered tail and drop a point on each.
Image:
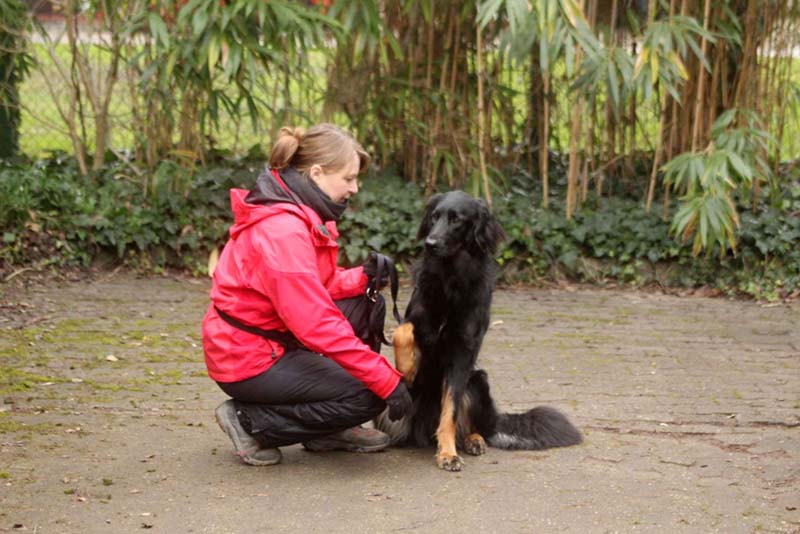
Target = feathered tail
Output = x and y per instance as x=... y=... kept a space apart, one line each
x=540 y=428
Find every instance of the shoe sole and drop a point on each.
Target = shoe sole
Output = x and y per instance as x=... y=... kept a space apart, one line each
x=346 y=448
x=238 y=446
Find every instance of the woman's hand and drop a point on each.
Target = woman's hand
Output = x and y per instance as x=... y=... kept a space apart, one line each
x=399 y=402
x=371 y=270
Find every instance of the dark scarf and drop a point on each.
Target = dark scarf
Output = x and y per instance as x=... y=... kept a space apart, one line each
x=302 y=191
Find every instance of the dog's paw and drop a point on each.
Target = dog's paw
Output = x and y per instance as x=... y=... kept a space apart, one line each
x=449 y=462
x=475 y=445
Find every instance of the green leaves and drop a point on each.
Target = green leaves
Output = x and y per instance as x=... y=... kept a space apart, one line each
x=710 y=180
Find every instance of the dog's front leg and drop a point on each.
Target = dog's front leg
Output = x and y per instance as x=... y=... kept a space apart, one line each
x=446 y=457
x=405 y=352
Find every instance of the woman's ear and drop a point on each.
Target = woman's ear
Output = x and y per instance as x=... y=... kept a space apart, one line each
x=314 y=172
x=425 y=225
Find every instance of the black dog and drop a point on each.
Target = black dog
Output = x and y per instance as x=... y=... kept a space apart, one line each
x=437 y=345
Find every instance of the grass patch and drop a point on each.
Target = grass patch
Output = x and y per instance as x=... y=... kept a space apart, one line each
x=16 y=380
x=9 y=425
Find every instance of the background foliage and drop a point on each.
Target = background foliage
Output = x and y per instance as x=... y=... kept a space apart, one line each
x=57 y=217
x=610 y=136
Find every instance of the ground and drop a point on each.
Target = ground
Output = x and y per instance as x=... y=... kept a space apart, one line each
x=689 y=407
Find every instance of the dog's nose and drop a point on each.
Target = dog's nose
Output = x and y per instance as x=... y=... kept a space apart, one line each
x=431 y=242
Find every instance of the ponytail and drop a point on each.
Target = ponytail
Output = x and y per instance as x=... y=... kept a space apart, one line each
x=285 y=148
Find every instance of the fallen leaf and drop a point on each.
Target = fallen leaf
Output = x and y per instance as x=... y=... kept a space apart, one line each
x=111 y=358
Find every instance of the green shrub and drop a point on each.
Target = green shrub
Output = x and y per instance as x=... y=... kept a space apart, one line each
x=49 y=214
x=384 y=217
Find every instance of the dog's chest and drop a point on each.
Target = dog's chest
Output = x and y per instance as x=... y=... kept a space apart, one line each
x=451 y=307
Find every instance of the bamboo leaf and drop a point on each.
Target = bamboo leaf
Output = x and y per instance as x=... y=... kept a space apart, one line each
x=654 y=69
x=613 y=84
x=570 y=56
x=673 y=92
x=703 y=230
x=742 y=169
x=517 y=13
x=158 y=29
x=574 y=13
x=488 y=11
x=199 y=23
x=676 y=60
x=213 y=52
x=544 y=56
x=640 y=61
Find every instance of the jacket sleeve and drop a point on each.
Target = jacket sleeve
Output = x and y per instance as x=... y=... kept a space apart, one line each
x=288 y=275
x=346 y=283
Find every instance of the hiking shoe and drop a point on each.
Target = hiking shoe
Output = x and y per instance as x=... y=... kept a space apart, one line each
x=356 y=439
x=247 y=447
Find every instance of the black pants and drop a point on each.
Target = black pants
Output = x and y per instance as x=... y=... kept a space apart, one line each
x=304 y=396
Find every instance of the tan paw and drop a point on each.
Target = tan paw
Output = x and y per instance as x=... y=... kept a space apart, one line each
x=475 y=445
x=449 y=462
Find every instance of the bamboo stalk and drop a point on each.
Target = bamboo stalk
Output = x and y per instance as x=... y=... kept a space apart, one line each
x=481 y=125
x=458 y=60
x=611 y=125
x=76 y=103
x=433 y=141
x=698 y=106
x=662 y=123
x=715 y=83
x=784 y=79
x=592 y=124
x=672 y=148
x=427 y=165
x=745 y=74
x=543 y=141
x=574 y=141
x=631 y=126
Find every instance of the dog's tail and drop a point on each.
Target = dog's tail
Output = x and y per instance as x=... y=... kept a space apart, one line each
x=540 y=428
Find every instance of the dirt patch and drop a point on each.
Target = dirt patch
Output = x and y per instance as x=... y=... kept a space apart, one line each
x=690 y=409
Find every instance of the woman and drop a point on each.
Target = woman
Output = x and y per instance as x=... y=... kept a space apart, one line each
x=276 y=336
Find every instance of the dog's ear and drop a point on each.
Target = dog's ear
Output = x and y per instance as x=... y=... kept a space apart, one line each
x=425 y=225
x=487 y=232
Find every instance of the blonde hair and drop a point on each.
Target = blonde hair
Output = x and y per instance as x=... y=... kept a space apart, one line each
x=324 y=145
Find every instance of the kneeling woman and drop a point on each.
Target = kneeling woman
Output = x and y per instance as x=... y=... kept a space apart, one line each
x=285 y=334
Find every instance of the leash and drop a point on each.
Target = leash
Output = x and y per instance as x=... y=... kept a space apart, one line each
x=383 y=263
x=383 y=266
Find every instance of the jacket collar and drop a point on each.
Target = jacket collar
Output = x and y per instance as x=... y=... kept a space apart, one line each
x=288 y=185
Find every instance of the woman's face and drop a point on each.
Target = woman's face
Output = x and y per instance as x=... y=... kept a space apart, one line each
x=339 y=185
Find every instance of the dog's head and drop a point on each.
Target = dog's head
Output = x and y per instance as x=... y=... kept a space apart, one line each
x=454 y=221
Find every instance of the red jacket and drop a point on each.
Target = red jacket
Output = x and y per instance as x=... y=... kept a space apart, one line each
x=279 y=271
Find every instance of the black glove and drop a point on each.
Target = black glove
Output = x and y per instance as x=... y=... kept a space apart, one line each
x=399 y=402
x=371 y=268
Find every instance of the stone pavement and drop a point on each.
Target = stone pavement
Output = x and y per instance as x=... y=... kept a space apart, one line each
x=689 y=406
